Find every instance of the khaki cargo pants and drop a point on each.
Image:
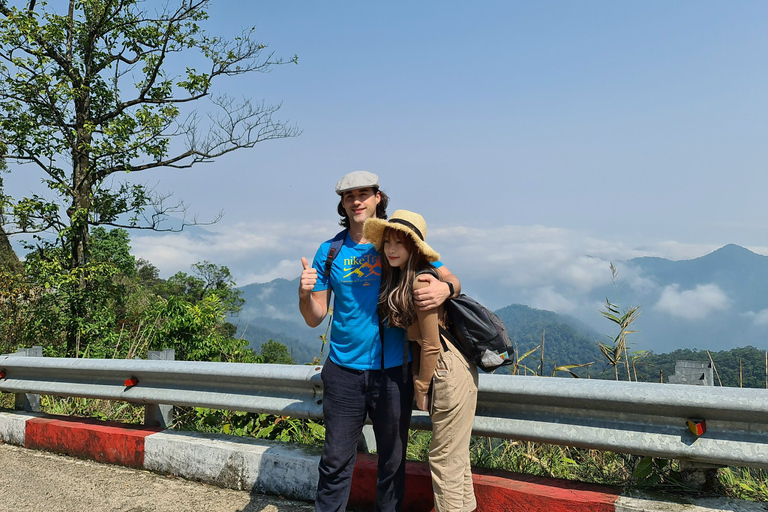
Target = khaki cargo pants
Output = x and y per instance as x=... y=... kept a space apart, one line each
x=454 y=398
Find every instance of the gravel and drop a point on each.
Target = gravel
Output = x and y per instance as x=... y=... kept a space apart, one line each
x=31 y=480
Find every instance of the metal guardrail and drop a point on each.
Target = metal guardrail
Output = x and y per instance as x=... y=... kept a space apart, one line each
x=265 y=388
x=640 y=418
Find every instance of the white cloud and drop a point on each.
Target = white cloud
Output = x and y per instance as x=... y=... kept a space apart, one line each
x=547 y=298
x=640 y=284
x=533 y=262
x=253 y=251
x=527 y=256
x=546 y=267
x=285 y=269
x=693 y=304
x=759 y=319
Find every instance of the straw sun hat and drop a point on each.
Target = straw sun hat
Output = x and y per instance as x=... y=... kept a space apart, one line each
x=409 y=223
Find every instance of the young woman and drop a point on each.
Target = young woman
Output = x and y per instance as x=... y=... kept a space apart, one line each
x=445 y=382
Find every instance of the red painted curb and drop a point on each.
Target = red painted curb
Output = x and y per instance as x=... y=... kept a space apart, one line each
x=418 y=485
x=507 y=491
x=113 y=442
x=496 y=491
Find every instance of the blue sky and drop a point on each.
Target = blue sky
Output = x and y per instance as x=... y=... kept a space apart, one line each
x=539 y=139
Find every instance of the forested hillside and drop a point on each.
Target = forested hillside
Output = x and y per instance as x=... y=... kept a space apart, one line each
x=563 y=344
x=303 y=349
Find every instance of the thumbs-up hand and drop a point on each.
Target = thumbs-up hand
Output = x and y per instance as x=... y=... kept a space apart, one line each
x=308 y=278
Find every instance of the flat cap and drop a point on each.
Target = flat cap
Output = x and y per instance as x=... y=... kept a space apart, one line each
x=357 y=179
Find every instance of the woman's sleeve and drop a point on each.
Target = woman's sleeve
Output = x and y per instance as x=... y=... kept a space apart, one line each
x=430 y=346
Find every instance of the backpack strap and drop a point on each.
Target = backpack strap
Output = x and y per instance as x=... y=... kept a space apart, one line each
x=431 y=271
x=333 y=251
x=445 y=335
x=336 y=244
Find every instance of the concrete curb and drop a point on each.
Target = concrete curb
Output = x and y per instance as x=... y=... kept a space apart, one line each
x=102 y=441
x=273 y=468
x=235 y=463
x=13 y=426
x=642 y=504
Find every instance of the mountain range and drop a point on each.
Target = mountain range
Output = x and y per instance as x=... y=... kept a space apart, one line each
x=716 y=302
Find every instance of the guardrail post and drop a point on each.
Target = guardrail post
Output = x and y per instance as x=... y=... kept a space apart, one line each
x=700 y=475
x=27 y=401
x=159 y=415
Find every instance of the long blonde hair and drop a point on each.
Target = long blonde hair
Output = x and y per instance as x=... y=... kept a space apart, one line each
x=396 y=308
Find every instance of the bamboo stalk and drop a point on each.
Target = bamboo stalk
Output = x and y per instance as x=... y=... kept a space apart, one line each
x=740 y=375
x=714 y=368
x=626 y=361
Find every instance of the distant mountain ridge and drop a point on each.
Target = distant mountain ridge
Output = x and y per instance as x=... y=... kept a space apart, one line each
x=731 y=267
x=716 y=302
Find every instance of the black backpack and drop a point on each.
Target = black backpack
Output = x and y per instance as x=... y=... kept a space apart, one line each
x=478 y=333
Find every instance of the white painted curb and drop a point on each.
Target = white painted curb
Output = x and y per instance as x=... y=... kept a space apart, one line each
x=13 y=426
x=627 y=504
x=235 y=463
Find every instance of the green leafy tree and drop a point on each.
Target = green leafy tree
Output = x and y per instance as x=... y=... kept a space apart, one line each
x=94 y=89
x=207 y=279
x=16 y=296
x=113 y=246
x=276 y=352
x=194 y=331
x=147 y=273
x=63 y=304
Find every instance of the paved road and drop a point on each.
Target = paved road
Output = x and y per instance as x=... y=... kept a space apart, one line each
x=44 y=482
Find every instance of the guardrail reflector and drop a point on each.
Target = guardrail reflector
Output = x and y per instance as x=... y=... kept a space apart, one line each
x=131 y=382
x=2 y=374
x=697 y=426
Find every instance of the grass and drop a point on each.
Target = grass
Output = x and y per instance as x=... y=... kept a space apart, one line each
x=249 y=424
x=597 y=466
x=549 y=460
x=104 y=410
x=745 y=483
x=7 y=400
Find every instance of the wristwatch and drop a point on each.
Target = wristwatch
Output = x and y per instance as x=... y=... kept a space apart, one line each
x=450 y=287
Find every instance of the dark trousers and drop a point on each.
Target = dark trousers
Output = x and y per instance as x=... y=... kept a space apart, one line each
x=386 y=396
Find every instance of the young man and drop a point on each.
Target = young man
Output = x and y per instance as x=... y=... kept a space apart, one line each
x=364 y=373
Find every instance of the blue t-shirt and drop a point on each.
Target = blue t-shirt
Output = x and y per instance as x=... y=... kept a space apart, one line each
x=355 y=279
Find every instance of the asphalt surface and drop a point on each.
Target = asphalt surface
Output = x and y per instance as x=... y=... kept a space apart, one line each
x=33 y=481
